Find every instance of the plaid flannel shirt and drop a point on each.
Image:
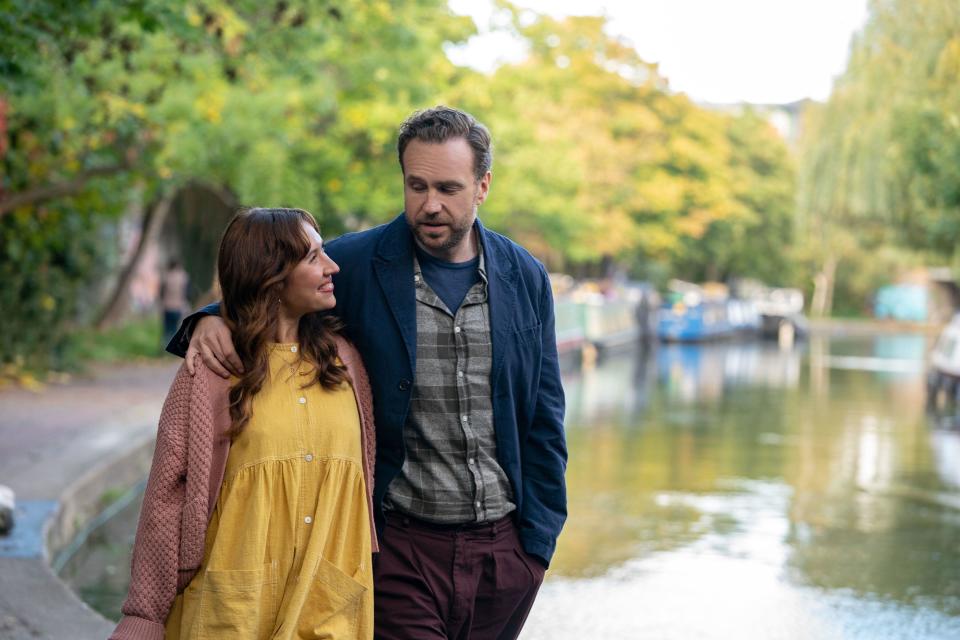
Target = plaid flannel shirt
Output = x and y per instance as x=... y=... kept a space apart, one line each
x=451 y=474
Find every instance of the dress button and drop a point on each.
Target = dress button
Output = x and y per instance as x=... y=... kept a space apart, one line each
x=308 y=457
x=302 y=400
x=308 y=519
x=293 y=349
x=404 y=385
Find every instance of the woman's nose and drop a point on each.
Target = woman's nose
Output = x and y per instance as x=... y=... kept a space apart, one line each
x=332 y=267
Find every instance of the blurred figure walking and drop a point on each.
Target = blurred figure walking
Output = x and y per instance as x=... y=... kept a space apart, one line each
x=173 y=297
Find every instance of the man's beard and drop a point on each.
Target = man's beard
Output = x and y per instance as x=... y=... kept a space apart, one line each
x=455 y=237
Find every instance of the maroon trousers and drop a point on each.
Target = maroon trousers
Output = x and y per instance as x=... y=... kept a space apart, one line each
x=435 y=582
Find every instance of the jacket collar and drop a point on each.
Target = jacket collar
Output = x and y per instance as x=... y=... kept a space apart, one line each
x=393 y=264
x=396 y=244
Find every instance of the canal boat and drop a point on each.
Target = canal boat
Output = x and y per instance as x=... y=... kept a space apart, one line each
x=781 y=312
x=943 y=374
x=571 y=336
x=743 y=315
x=694 y=313
x=594 y=318
x=610 y=324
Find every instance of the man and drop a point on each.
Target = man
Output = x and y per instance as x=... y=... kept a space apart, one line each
x=456 y=326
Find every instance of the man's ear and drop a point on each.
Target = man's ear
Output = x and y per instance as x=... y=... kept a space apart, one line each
x=483 y=188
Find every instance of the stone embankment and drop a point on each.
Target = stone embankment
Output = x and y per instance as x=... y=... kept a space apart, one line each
x=62 y=450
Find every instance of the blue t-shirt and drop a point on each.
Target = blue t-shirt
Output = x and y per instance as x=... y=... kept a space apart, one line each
x=449 y=280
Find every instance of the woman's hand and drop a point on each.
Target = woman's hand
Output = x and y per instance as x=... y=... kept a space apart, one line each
x=212 y=340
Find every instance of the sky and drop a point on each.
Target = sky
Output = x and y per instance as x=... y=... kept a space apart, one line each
x=716 y=51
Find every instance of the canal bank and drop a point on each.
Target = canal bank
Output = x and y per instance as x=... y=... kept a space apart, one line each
x=869 y=327
x=67 y=450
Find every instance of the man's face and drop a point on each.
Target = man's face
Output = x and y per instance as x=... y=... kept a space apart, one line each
x=441 y=196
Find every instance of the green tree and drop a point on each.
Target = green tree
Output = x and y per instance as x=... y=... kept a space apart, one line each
x=879 y=161
x=597 y=159
x=113 y=106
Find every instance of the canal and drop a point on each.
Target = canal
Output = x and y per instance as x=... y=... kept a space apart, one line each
x=733 y=491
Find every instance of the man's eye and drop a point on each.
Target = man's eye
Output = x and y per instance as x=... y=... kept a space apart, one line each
x=417 y=187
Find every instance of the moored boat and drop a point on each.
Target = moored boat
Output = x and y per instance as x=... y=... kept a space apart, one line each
x=943 y=374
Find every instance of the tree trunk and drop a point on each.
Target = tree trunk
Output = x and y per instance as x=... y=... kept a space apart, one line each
x=152 y=223
x=822 y=302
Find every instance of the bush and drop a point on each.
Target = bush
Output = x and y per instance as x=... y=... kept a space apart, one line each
x=47 y=259
x=138 y=339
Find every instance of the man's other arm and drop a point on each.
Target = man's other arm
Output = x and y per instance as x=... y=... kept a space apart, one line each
x=180 y=342
x=544 y=453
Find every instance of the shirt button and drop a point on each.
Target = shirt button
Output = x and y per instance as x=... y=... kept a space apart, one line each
x=471 y=462
x=293 y=349
x=463 y=418
x=456 y=329
x=459 y=374
x=477 y=504
x=302 y=400
x=308 y=457
x=308 y=519
x=416 y=278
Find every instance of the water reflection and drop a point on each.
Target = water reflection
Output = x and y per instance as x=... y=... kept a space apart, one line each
x=739 y=490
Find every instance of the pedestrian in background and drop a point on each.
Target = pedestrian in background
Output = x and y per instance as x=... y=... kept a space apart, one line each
x=173 y=297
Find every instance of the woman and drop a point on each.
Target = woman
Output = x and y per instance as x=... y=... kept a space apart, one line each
x=257 y=518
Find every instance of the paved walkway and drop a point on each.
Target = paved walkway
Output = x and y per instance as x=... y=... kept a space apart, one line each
x=61 y=449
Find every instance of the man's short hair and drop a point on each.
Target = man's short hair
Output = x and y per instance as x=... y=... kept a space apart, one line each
x=440 y=124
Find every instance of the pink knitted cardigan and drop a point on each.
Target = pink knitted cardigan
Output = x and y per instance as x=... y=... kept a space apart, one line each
x=188 y=465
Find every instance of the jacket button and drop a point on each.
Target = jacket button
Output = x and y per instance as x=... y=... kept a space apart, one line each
x=404 y=385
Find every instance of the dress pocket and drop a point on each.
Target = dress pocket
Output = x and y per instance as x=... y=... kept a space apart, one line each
x=333 y=605
x=238 y=603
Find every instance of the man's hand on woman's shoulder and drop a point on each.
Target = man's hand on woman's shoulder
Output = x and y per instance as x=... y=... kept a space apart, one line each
x=212 y=340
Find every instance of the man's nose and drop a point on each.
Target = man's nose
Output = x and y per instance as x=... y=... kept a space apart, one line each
x=432 y=205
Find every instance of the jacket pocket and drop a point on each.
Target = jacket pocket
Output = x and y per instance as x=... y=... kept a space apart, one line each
x=238 y=603
x=334 y=605
x=530 y=335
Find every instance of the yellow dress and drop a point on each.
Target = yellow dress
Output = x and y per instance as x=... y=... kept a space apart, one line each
x=287 y=552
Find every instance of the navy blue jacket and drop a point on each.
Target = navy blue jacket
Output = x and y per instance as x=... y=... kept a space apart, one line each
x=376 y=301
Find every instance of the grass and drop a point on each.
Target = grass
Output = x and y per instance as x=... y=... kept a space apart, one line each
x=138 y=339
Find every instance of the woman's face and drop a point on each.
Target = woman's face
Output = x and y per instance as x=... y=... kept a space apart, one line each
x=309 y=287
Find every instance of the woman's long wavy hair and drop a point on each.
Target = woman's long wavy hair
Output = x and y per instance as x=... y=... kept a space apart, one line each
x=259 y=249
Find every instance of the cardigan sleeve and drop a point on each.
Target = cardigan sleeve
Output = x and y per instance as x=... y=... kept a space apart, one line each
x=362 y=384
x=361 y=388
x=154 y=566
